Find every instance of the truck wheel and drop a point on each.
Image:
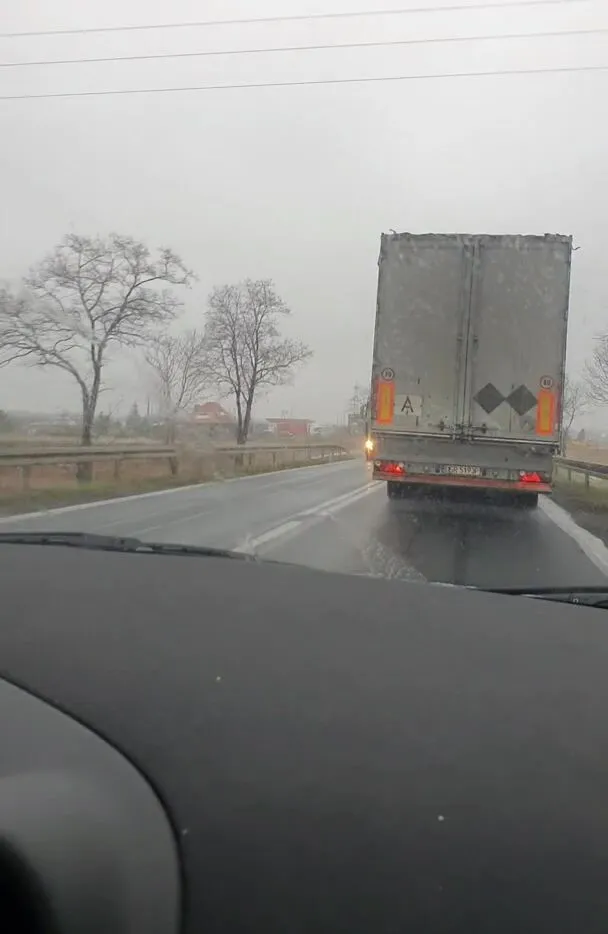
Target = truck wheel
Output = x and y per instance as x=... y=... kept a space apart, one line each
x=528 y=500
x=392 y=489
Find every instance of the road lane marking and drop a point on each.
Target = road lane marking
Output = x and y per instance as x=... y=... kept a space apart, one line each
x=592 y=546
x=211 y=501
x=269 y=536
x=117 y=500
x=263 y=539
x=296 y=523
x=286 y=471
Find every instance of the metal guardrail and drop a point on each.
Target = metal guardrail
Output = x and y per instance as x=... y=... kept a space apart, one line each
x=29 y=457
x=583 y=468
x=223 y=461
x=249 y=458
x=25 y=460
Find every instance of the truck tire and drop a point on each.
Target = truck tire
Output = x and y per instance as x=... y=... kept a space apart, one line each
x=393 y=489
x=528 y=500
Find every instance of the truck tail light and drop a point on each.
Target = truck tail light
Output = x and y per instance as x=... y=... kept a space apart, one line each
x=393 y=467
x=530 y=476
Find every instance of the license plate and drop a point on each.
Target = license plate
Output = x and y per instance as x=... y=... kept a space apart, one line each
x=461 y=471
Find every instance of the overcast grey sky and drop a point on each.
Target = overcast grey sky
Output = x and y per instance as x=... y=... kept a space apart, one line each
x=297 y=183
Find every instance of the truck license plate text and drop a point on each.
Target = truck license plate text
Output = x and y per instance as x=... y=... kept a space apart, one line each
x=461 y=471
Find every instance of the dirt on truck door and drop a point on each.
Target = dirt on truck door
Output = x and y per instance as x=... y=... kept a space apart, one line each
x=517 y=337
x=424 y=285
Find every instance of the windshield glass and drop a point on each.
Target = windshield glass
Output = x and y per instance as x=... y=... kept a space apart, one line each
x=278 y=281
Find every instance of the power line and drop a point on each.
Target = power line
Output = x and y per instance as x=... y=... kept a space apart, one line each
x=310 y=83
x=307 y=48
x=304 y=17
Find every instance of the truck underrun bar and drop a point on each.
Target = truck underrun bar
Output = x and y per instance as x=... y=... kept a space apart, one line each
x=540 y=443
x=479 y=483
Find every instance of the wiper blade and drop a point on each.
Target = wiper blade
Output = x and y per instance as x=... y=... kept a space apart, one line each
x=595 y=595
x=115 y=543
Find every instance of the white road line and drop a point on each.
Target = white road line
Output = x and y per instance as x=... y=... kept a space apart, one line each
x=116 y=500
x=295 y=523
x=269 y=536
x=592 y=546
x=215 y=502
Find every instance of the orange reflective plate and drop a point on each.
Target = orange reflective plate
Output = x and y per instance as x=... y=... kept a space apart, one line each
x=385 y=402
x=545 y=412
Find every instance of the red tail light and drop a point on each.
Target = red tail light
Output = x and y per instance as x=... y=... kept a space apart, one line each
x=393 y=468
x=530 y=477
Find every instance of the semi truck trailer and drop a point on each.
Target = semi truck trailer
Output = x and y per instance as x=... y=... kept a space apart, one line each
x=468 y=362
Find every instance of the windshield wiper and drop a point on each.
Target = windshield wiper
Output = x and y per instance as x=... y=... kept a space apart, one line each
x=595 y=596
x=115 y=543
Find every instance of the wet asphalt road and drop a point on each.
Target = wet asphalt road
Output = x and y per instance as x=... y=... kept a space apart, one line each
x=333 y=517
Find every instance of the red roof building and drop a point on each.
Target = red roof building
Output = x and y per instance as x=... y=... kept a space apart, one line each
x=291 y=427
x=212 y=413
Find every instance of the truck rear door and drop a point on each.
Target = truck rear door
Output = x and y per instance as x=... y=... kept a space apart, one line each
x=517 y=336
x=421 y=324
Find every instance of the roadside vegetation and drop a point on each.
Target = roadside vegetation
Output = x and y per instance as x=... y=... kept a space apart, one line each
x=92 y=297
x=589 y=511
x=51 y=486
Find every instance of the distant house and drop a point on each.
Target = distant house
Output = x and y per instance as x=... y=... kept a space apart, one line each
x=291 y=427
x=214 y=418
x=212 y=413
x=259 y=428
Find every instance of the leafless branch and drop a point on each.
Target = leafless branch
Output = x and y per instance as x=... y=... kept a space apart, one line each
x=244 y=348
x=179 y=368
x=596 y=372
x=574 y=402
x=87 y=295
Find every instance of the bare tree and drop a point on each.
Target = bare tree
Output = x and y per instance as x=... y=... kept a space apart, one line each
x=596 y=372
x=89 y=294
x=178 y=365
x=245 y=350
x=574 y=402
x=358 y=401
